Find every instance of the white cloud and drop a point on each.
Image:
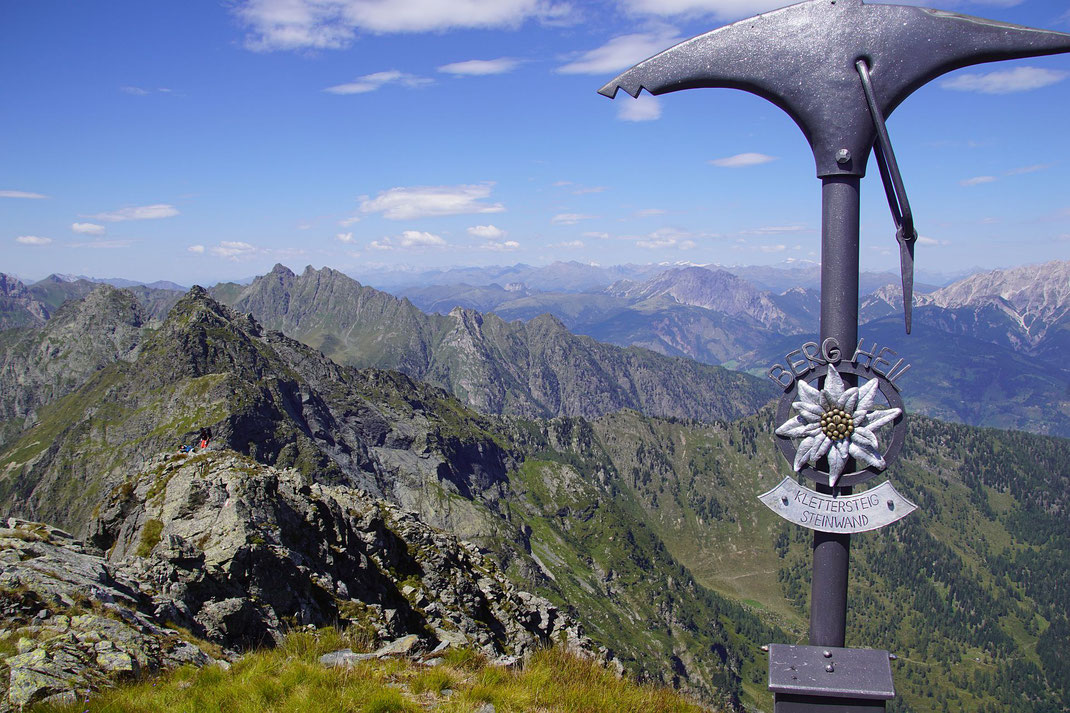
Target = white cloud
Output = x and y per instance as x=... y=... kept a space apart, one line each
x=489 y=232
x=741 y=160
x=584 y=190
x=570 y=218
x=1006 y=81
x=720 y=9
x=345 y=237
x=423 y=201
x=648 y=212
x=595 y=234
x=923 y=240
x=621 y=52
x=418 y=239
x=144 y=212
x=772 y=248
x=572 y=244
x=32 y=240
x=196 y=249
x=346 y=222
x=371 y=82
x=136 y=91
x=233 y=250
x=642 y=108
x=408 y=239
x=331 y=24
x=87 y=228
x=977 y=180
x=481 y=67
x=507 y=246
x=20 y=194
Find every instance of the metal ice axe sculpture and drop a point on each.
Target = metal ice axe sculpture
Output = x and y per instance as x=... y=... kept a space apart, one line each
x=838 y=68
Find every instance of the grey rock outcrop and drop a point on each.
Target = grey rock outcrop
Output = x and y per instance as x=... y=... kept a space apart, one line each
x=239 y=552
x=76 y=621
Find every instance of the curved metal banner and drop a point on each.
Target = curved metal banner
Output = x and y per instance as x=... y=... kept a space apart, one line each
x=845 y=514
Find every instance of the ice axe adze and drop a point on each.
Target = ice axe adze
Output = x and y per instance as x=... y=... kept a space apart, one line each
x=838 y=68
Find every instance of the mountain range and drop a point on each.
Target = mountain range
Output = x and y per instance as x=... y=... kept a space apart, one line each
x=646 y=530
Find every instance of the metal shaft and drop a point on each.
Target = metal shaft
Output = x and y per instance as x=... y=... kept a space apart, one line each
x=839 y=319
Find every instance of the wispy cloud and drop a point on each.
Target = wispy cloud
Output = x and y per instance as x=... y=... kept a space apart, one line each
x=407 y=203
x=667 y=238
x=977 y=180
x=346 y=222
x=140 y=92
x=775 y=230
x=570 y=244
x=773 y=248
x=487 y=232
x=32 y=240
x=332 y=24
x=371 y=82
x=144 y=212
x=233 y=250
x=196 y=249
x=720 y=9
x=648 y=212
x=621 y=52
x=344 y=237
x=642 y=108
x=570 y=218
x=741 y=160
x=481 y=67
x=1006 y=81
x=502 y=247
x=87 y=228
x=103 y=244
x=21 y=194
x=1028 y=169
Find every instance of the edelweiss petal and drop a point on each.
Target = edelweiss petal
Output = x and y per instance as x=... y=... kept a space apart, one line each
x=866 y=454
x=837 y=460
x=798 y=426
x=867 y=395
x=833 y=384
x=876 y=419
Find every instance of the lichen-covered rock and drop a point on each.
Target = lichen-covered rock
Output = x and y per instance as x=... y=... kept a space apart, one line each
x=238 y=552
x=77 y=623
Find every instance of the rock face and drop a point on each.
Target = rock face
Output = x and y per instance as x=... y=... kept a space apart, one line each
x=18 y=307
x=238 y=552
x=78 y=622
x=716 y=290
x=38 y=366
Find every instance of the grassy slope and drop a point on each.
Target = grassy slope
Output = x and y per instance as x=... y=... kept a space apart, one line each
x=290 y=678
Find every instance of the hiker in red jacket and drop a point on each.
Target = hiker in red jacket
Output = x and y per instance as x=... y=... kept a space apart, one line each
x=206 y=435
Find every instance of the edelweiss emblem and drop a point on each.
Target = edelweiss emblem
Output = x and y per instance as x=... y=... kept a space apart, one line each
x=837 y=422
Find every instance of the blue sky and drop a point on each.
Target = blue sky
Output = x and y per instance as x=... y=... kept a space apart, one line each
x=198 y=141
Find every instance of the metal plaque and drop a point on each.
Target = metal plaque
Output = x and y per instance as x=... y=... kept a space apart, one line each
x=845 y=514
x=830 y=671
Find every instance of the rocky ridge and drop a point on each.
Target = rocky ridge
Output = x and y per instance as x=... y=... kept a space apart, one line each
x=203 y=557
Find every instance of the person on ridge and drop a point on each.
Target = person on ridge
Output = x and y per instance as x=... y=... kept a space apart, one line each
x=206 y=435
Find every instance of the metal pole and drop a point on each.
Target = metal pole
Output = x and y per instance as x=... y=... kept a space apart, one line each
x=839 y=320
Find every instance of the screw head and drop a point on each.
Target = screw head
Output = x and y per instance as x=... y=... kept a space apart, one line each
x=843 y=156
x=827 y=654
x=830 y=668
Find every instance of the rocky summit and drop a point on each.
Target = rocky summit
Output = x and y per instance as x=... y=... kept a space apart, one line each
x=202 y=557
